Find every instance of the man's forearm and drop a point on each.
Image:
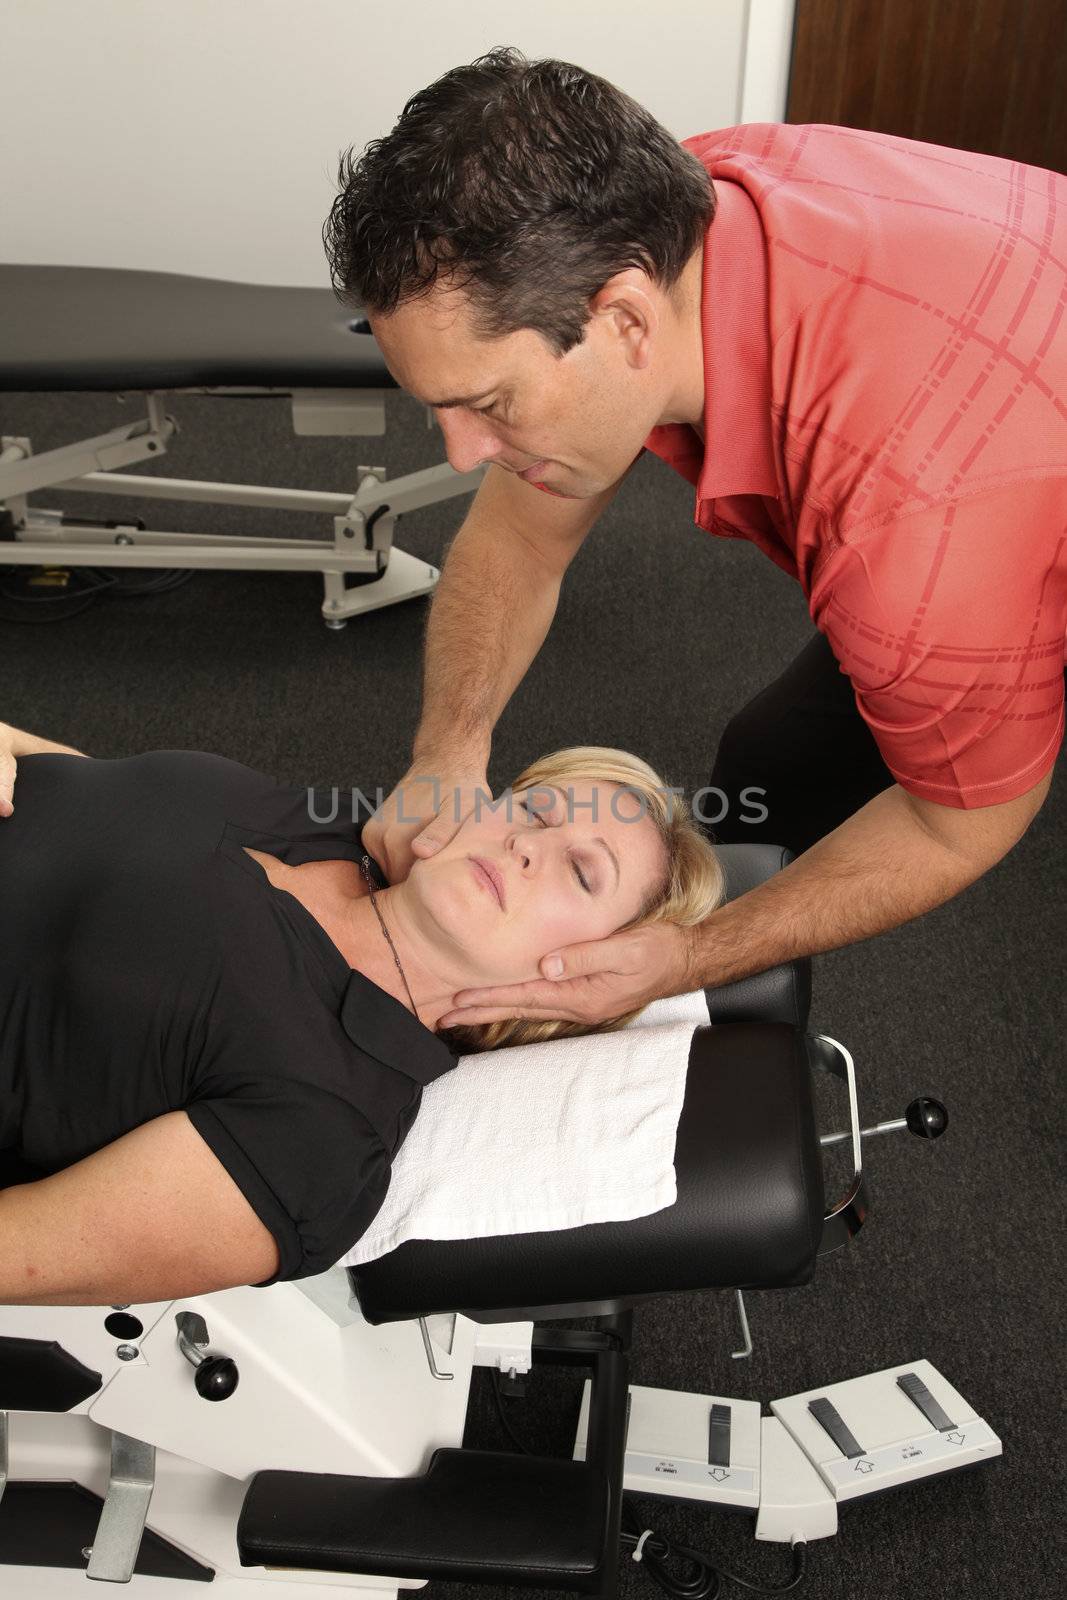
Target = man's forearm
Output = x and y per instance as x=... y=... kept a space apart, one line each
x=490 y=616
x=879 y=869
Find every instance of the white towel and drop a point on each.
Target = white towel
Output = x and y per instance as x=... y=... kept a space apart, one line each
x=544 y=1136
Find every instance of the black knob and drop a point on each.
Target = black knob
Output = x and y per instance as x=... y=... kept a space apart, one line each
x=216 y=1378
x=926 y=1117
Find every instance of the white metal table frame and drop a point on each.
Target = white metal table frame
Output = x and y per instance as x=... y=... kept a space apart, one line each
x=363 y=523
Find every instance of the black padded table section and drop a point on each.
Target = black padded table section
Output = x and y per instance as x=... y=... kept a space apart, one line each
x=474 y=1516
x=749 y=1212
x=105 y=328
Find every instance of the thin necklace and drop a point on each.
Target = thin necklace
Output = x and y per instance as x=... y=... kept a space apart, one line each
x=365 y=868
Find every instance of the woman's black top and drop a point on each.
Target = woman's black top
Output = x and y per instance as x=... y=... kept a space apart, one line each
x=148 y=965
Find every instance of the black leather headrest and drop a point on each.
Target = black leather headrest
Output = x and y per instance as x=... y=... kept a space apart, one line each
x=782 y=994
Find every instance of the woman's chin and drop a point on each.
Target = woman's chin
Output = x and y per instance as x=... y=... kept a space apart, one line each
x=466 y=914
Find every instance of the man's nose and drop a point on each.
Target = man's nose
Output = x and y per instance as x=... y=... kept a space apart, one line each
x=468 y=441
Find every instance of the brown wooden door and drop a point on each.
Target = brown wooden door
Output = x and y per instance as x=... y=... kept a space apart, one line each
x=987 y=75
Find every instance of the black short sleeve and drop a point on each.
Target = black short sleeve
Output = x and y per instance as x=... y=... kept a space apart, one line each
x=311 y=1167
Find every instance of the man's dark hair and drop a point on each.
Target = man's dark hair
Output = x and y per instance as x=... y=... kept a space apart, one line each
x=529 y=184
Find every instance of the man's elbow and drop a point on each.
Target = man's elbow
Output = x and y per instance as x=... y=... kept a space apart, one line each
x=980 y=837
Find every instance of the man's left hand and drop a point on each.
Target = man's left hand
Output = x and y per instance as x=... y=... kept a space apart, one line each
x=599 y=981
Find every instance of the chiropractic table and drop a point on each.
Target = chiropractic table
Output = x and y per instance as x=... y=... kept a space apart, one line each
x=305 y=1437
x=151 y=333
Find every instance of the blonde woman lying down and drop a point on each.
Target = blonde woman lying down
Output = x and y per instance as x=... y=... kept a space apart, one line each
x=207 y=1044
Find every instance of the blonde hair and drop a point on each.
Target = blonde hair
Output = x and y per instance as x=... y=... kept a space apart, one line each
x=691 y=888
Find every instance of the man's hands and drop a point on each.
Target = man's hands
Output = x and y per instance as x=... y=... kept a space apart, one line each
x=422 y=814
x=599 y=980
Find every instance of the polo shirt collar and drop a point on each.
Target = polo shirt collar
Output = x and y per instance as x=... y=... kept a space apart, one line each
x=384 y=1027
x=739 y=442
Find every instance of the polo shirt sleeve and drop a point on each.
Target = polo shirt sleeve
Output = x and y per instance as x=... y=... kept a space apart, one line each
x=312 y=1168
x=950 y=623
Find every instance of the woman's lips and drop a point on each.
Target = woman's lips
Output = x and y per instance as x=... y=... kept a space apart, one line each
x=529 y=473
x=488 y=876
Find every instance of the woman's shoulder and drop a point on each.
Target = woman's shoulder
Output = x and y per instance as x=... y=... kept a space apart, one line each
x=201 y=781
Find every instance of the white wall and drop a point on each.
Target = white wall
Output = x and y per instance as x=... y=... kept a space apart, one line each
x=202 y=136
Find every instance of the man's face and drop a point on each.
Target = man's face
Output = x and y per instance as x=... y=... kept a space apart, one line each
x=579 y=420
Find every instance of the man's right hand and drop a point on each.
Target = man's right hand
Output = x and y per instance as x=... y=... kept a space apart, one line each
x=427 y=809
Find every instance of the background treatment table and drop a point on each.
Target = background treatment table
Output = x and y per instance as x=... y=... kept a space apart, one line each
x=150 y=333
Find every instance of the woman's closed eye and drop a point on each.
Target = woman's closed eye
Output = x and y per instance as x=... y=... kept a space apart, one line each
x=578 y=871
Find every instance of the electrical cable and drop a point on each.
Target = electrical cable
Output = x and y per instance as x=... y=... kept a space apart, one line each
x=653 y=1550
x=81 y=587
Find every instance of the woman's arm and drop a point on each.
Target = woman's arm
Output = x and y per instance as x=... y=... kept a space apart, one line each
x=181 y=1226
x=16 y=742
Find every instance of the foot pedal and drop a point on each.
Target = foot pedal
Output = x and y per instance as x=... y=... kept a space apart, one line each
x=794 y=1503
x=885 y=1429
x=688 y=1446
x=113 y=1555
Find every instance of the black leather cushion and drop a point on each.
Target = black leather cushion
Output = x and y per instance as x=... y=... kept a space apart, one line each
x=782 y=994
x=112 y=329
x=474 y=1516
x=749 y=1211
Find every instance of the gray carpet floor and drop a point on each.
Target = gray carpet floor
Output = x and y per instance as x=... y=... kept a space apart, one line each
x=662 y=633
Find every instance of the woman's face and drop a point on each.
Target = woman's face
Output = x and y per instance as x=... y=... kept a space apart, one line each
x=575 y=866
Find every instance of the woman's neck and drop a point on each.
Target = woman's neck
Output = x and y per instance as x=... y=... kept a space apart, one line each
x=432 y=979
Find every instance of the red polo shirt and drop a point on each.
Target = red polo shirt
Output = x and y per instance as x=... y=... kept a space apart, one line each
x=885 y=369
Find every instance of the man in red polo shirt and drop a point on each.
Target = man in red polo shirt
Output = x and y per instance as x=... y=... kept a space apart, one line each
x=885 y=348
x=861 y=366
